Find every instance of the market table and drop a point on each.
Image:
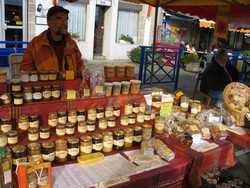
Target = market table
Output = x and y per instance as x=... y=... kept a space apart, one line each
x=222 y=156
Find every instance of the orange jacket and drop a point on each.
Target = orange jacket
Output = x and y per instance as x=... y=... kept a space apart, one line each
x=40 y=55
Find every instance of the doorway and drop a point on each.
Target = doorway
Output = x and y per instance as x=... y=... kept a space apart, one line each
x=99 y=30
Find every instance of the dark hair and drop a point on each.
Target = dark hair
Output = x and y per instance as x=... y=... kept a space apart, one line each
x=220 y=53
x=55 y=9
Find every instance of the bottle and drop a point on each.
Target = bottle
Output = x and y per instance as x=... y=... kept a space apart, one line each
x=5 y=169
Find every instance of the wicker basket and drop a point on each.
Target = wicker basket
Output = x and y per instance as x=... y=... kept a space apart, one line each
x=241 y=119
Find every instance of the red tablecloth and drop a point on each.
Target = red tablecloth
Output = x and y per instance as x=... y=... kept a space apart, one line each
x=241 y=140
x=222 y=156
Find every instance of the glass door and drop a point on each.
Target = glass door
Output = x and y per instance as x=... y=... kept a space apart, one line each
x=99 y=26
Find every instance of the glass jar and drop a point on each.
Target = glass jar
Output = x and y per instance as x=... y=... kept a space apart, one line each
x=103 y=123
x=34 y=120
x=34 y=152
x=46 y=93
x=82 y=127
x=23 y=123
x=86 y=145
x=184 y=104
x=19 y=155
x=25 y=77
x=140 y=118
x=118 y=140
x=55 y=92
x=99 y=112
x=52 y=119
x=33 y=134
x=48 y=151
x=73 y=148
x=62 y=116
x=69 y=128
x=6 y=124
x=12 y=137
x=156 y=102
x=90 y=125
x=135 y=86
x=16 y=85
x=107 y=140
x=92 y=114
x=188 y=140
x=153 y=114
x=72 y=116
x=33 y=76
x=137 y=136
x=44 y=177
x=124 y=120
x=176 y=108
x=32 y=180
x=81 y=115
x=160 y=124
x=18 y=99
x=60 y=129
x=27 y=94
x=3 y=140
x=44 y=76
x=37 y=93
x=132 y=119
x=128 y=109
x=142 y=107
x=146 y=131
x=61 y=151
x=97 y=142
x=109 y=111
x=5 y=98
x=52 y=75
x=117 y=110
x=44 y=132
x=147 y=115
x=194 y=108
x=111 y=121
x=136 y=107
x=128 y=137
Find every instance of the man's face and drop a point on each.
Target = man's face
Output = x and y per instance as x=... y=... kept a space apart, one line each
x=58 y=23
x=224 y=59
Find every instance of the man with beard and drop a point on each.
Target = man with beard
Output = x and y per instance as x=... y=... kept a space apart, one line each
x=53 y=49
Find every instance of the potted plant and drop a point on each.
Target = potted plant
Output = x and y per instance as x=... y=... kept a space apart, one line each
x=191 y=62
x=126 y=39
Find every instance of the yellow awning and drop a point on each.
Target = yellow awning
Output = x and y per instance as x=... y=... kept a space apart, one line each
x=207 y=24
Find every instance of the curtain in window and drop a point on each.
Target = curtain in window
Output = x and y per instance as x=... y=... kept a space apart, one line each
x=77 y=16
x=127 y=24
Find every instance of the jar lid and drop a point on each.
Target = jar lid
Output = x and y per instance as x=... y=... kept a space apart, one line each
x=44 y=129
x=97 y=136
x=147 y=126
x=73 y=140
x=34 y=146
x=33 y=115
x=33 y=130
x=62 y=112
x=91 y=122
x=60 y=142
x=69 y=125
x=27 y=87
x=37 y=87
x=119 y=132
x=46 y=87
x=81 y=110
x=18 y=149
x=107 y=134
x=137 y=128
x=60 y=126
x=86 y=138
x=12 y=133
x=5 y=118
x=48 y=144
x=82 y=123
x=112 y=118
x=128 y=130
x=44 y=72
x=132 y=116
x=18 y=94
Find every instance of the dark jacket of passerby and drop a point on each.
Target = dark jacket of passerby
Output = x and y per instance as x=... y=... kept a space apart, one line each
x=215 y=77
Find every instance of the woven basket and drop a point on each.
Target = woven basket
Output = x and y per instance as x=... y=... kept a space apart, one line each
x=241 y=119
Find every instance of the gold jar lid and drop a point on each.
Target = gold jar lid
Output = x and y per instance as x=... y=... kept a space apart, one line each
x=60 y=126
x=11 y=133
x=18 y=95
x=92 y=110
x=55 y=86
x=33 y=116
x=81 y=110
x=15 y=81
x=44 y=72
x=46 y=87
x=34 y=146
x=23 y=117
x=132 y=116
x=52 y=114
x=37 y=88
x=73 y=140
x=72 y=112
x=27 y=87
x=19 y=149
x=44 y=129
x=112 y=118
x=90 y=122
x=61 y=142
x=33 y=130
x=147 y=126
x=62 y=112
x=48 y=144
x=97 y=136
x=137 y=128
x=69 y=125
x=107 y=134
x=82 y=123
x=128 y=130
x=86 y=138
x=99 y=108
x=5 y=118
x=118 y=132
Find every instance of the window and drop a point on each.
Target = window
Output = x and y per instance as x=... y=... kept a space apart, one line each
x=77 y=16
x=127 y=24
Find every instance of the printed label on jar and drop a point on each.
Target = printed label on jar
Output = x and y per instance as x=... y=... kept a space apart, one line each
x=142 y=108
x=62 y=120
x=73 y=151
x=34 y=78
x=33 y=137
x=128 y=110
x=92 y=116
x=82 y=129
x=131 y=121
x=34 y=158
x=138 y=138
x=119 y=142
x=25 y=78
x=19 y=160
x=109 y=113
x=6 y=127
x=44 y=135
x=184 y=105
x=16 y=87
x=72 y=119
x=44 y=180
x=52 y=76
x=117 y=113
x=12 y=140
x=128 y=139
x=60 y=132
x=140 y=118
x=100 y=115
x=86 y=92
x=103 y=125
x=156 y=104
x=99 y=89
x=194 y=110
x=53 y=122
x=111 y=123
x=97 y=147
x=159 y=126
x=49 y=157
x=37 y=95
x=18 y=101
x=147 y=117
x=27 y=96
x=33 y=184
x=124 y=122
x=44 y=77
x=34 y=124
x=86 y=149
x=81 y=118
x=70 y=130
x=55 y=94
x=61 y=154
x=108 y=144
x=136 y=109
x=46 y=94
x=90 y=127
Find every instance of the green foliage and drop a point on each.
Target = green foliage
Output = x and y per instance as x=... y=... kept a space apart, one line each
x=127 y=38
x=190 y=58
x=246 y=52
x=135 y=54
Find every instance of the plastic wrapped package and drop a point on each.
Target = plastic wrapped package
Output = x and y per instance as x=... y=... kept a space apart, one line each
x=97 y=84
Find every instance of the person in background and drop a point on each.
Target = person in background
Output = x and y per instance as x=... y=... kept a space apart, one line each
x=202 y=47
x=190 y=48
x=217 y=75
x=53 y=49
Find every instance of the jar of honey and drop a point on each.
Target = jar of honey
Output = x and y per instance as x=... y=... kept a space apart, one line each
x=25 y=77
x=90 y=125
x=3 y=140
x=97 y=142
x=60 y=129
x=12 y=137
x=62 y=116
x=124 y=120
x=72 y=116
x=117 y=110
x=18 y=99
x=132 y=119
x=69 y=128
x=156 y=102
x=160 y=124
x=146 y=131
x=128 y=137
x=52 y=75
x=135 y=86
x=61 y=151
x=128 y=108
x=86 y=145
x=5 y=98
x=118 y=140
x=27 y=94
x=34 y=152
x=33 y=134
x=6 y=124
x=81 y=115
x=44 y=132
x=19 y=155
x=137 y=136
x=33 y=76
x=73 y=148
x=109 y=111
x=188 y=140
x=140 y=117
x=184 y=103
x=111 y=121
x=142 y=107
x=52 y=119
x=100 y=113
x=34 y=120
x=55 y=92
x=147 y=115
x=136 y=107
x=44 y=76
x=46 y=93
x=37 y=93
x=107 y=138
x=103 y=123
x=82 y=127
x=16 y=85
x=92 y=114
x=48 y=151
